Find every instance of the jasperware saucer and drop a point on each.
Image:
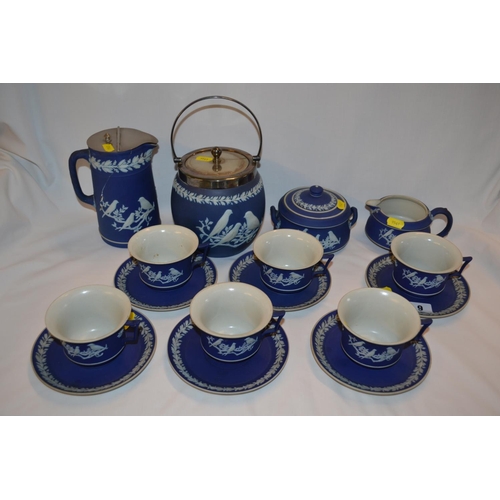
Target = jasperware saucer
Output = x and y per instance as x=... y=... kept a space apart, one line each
x=406 y=374
x=450 y=301
x=127 y=280
x=198 y=369
x=55 y=370
x=246 y=270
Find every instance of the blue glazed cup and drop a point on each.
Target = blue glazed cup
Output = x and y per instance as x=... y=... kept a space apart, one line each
x=93 y=323
x=393 y=215
x=424 y=262
x=377 y=325
x=232 y=319
x=289 y=259
x=166 y=255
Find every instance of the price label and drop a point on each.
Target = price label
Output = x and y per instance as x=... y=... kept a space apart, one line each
x=108 y=148
x=340 y=204
x=204 y=158
x=422 y=307
x=397 y=223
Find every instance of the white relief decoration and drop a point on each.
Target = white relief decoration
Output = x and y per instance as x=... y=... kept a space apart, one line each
x=461 y=290
x=177 y=359
x=417 y=282
x=91 y=351
x=278 y=279
x=224 y=348
x=330 y=242
x=323 y=282
x=371 y=354
x=154 y=277
x=44 y=372
x=134 y=221
x=122 y=284
x=115 y=166
x=223 y=233
x=387 y=235
x=311 y=207
x=330 y=322
x=217 y=200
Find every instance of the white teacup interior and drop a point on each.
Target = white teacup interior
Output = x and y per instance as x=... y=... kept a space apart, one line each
x=163 y=244
x=288 y=249
x=379 y=316
x=404 y=208
x=231 y=310
x=87 y=313
x=426 y=252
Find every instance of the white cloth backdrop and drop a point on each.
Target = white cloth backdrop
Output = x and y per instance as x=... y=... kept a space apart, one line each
x=436 y=142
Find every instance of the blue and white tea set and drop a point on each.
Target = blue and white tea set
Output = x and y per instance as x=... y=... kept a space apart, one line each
x=232 y=341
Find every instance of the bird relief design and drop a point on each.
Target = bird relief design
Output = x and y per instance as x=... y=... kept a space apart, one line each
x=330 y=242
x=417 y=282
x=92 y=351
x=134 y=221
x=154 y=277
x=278 y=279
x=224 y=233
x=363 y=353
x=224 y=349
x=387 y=235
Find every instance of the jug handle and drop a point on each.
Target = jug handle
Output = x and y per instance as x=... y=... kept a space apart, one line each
x=449 y=219
x=82 y=154
x=177 y=160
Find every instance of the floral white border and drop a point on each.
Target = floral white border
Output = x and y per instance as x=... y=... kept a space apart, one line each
x=175 y=343
x=110 y=166
x=217 y=200
x=42 y=368
x=329 y=322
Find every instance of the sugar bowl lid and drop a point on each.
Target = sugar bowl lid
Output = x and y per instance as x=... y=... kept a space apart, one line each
x=314 y=207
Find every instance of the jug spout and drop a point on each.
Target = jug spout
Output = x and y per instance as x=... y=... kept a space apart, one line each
x=372 y=204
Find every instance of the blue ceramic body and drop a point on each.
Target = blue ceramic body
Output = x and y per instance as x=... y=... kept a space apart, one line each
x=284 y=280
x=381 y=228
x=124 y=191
x=375 y=355
x=232 y=349
x=323 y=213
x=422 y=283
x=100 y=351
x=173 y=274
x=333 y=238
x=227 y=219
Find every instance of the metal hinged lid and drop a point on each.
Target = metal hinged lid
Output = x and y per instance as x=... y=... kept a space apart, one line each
x=216 y=167
x=118 y=139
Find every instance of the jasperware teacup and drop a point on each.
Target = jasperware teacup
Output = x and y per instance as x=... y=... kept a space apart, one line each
x=232 y=319
x=166 y=254
x=289 y=259
x=93 y=323
x=377 y=325
x=424 y=262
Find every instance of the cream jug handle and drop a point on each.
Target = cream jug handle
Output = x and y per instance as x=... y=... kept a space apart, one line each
x=177 y=160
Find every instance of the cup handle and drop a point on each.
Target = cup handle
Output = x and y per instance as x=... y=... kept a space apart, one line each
x=200 y=255
x=132 y=329
x=82 y=154
x=321 y=267
x=466 y=260
x=274 y=324
x=424 y=322
x=275 y=217
x=448 y=217
x=354 y=217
